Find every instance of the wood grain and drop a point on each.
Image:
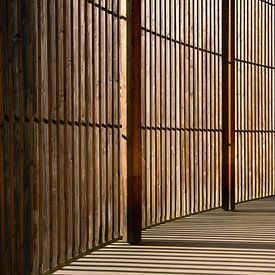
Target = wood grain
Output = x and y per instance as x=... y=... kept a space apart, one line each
x=76 y=130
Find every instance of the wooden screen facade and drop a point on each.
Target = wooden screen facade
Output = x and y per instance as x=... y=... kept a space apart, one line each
x=255 y=101
x=181 y=100
x=63 y=119
x=63 y=78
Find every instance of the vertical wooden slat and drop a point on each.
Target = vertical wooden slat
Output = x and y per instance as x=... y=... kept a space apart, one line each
x=3 y=259
x=211 y=138
x=147 y=113
x=261 y=101
x=178 y=182
x=109 y=132
x=187 y=105
x=253 y=79
x=5 y=217
x=24 y=138
x=215 y=135
x=122 y=109
x=96 y=121
x=102 y=121
x=218 y=103
x=158 y=111
x=115 y=124
x=163 y=110
x=238 y=79
x=143 y=111
x=182 y=165
x=204 y=109
x=269 y=89
x=52 y=135
x=168 y=111
x=205 y=106
x=60 y=128
x=14 y=133
x=272 y=100
x=68 y=128
x=89 y=119
x=152 y=114
x=269 y=101
x=75 y=130
x=264 y=100
x=35 y=247
x=245 y=105
x=257 y=100
x=82 y=126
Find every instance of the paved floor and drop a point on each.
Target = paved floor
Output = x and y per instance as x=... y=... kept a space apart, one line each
x=214 y=242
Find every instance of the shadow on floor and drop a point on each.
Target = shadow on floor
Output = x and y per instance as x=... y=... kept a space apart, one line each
x=214 y=242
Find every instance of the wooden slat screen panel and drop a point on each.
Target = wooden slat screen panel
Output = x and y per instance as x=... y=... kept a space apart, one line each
x=15 y=137
x=255 y=102
x=61 y=129
x=181 y=122
x=79 y=129
x=63 y=106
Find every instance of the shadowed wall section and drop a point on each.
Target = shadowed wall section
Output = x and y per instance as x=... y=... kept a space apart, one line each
x=16 y=137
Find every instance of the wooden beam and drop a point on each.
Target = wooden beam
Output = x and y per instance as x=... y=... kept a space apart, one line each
x=132 y=232
x=4 y=259
x=228 y=101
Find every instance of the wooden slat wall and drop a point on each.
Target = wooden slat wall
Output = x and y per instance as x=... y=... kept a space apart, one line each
x=15 y=137
x=79 y=131
x=181 y=122
x=63 y=81
x=255 y=102
x=63 y=117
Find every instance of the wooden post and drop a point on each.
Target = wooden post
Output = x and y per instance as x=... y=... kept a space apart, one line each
x=132 y=233
x=228 y=101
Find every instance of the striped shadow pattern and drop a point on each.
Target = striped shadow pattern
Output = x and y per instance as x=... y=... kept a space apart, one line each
x=214 y=242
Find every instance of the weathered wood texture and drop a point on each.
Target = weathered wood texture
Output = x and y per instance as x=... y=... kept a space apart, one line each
x=255 y=101
x=63 y=119
x=79 y=127
x=15 y=137
x=63 y=78
x=181 y=117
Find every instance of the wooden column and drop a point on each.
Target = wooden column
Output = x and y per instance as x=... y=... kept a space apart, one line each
x=132 y=231
x=228 y=101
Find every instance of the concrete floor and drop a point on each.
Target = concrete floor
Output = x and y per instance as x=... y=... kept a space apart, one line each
x=214 y=242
